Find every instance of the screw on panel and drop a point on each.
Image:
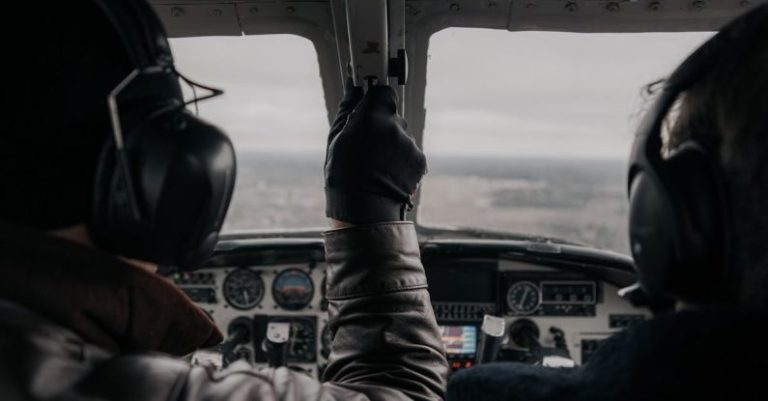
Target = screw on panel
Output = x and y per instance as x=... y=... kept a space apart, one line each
x=493 y=4
x=177 y=11
x=612 y=7
x=530 y=6
x=411 y=10
x=655 y=6
x=254 y=10
x=290 y=10
x=455 y=7
x=216 y=12
x=698 y=5
x=571 y=6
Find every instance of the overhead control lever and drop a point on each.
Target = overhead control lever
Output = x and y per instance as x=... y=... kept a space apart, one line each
x=376 y=52
x=492 y=333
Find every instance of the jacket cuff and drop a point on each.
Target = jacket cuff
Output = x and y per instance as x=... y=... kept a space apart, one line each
x=373 y=259
x=358 y=207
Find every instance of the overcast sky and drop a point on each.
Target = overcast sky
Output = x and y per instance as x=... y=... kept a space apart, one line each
x=488 y=92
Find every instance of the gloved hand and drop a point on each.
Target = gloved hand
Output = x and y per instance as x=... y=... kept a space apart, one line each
x=372 y=166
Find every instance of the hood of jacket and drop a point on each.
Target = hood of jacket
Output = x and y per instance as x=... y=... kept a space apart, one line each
x=109 y=303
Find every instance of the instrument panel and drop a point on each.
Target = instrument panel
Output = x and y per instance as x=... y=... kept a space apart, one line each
x=254 y=296
x=547 y=311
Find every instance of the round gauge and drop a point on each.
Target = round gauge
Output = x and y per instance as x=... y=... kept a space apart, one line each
x=302 y=338
x=523 y=297
x=243 y=289
x=293 y=289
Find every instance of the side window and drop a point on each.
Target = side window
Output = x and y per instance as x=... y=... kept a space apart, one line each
x=274 y=111
x=529 y=132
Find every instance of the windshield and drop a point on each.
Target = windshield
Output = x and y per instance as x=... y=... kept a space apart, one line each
x=526 y=132
x=529 y=132
x=273 y=109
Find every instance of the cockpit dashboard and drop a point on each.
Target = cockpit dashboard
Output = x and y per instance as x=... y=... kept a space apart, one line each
x=555 y=299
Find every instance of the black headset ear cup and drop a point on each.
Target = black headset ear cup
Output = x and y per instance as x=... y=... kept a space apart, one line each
x=652 y=233
x=184 y=172
x=696 y=188
x=676 y=228
x=181 y=170
x=112 y=205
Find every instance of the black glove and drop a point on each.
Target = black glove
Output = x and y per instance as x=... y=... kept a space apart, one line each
x=372 y=166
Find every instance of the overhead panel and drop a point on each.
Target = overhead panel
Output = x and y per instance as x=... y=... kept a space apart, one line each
x=216 y=17
x=575 y=15
x=305 y=18
x=623 y=16
x=433 y=15
x=198 y=18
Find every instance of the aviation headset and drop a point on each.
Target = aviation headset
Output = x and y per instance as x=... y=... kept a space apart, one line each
x=165 y=177
x=679 y=219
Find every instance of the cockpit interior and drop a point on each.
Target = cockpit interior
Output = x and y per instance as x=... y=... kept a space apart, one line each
x=522 y=216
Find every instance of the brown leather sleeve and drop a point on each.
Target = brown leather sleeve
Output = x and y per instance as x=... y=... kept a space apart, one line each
x=386 y=342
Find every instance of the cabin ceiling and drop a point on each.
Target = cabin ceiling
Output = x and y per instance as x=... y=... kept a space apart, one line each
x=217 y=17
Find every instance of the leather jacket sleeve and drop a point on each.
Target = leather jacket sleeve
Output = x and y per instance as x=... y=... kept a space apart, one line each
x=386 y=342
x=386 y=345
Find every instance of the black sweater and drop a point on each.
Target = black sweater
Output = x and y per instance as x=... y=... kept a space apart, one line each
x=693 y=355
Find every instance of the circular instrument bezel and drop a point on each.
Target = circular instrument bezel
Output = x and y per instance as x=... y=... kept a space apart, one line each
x=254 y=277
x=292 y=305
x=525 y=311
x=304 y=329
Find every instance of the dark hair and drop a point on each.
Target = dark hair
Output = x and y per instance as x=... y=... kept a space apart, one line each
x=728 y=111
x=60 y=77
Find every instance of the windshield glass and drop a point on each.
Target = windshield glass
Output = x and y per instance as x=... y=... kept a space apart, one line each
x=529 y=132
x=274 y=111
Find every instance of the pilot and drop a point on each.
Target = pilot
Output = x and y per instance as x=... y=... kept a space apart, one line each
x=104 y=175
x=699 y=235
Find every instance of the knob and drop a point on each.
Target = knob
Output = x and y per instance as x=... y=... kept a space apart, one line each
x=525 y=333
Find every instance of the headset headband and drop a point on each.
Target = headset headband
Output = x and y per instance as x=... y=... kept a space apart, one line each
x=648 y=143
x=140 y=30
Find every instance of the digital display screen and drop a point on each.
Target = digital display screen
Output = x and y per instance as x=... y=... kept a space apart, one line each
x=459 y=339
x=463 y=282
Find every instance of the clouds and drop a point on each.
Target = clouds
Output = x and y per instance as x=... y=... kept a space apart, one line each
x=542 y=93
x=273 y=99
x=488 y=92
